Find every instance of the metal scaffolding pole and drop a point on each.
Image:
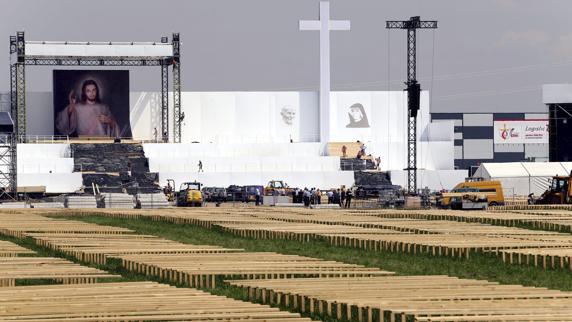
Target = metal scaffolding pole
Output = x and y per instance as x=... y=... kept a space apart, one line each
x=413 y=93
x=178 y=116
x=165 y=102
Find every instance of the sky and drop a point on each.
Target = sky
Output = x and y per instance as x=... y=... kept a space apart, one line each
x=486 y=55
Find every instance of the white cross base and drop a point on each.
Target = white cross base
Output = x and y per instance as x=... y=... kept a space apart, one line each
x=325 y=25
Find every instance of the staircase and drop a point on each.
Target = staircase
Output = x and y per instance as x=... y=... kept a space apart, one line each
x=354 y=164
x=371 y=178
x=368 y=180
x=107 y=165
x=372 y=183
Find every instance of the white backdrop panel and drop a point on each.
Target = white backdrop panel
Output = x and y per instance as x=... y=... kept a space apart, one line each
x=47 y=151
x=54 y=182
x=386 y=114
x=53 y=165
x=437 y=155
x=185 y=150
x=245 y=164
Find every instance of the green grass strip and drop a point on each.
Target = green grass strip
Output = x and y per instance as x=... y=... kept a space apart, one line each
x=479 y=266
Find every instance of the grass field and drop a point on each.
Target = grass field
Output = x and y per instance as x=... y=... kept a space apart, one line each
x=476 y=267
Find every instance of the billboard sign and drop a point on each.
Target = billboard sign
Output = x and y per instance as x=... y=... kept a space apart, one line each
x=522 y=131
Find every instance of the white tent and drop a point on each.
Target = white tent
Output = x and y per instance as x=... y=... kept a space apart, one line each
x=523 y=178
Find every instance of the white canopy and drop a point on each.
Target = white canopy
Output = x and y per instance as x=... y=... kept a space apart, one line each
x=523 y=178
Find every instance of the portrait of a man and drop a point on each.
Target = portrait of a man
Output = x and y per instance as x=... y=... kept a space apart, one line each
x=357 y=117
x=82 y=110
x=288 y=114
x=89 y=116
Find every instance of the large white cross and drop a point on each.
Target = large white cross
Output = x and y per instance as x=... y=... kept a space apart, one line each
x=324 y=25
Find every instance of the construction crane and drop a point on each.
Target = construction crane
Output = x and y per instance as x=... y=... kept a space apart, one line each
x=413 y=93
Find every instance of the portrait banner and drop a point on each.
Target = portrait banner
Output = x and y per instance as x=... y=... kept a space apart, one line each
x=91 y=103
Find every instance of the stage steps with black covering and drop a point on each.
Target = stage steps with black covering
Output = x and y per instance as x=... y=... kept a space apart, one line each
x=354 y=164
x=371 y=178
x=371 y=183
x=107 y=165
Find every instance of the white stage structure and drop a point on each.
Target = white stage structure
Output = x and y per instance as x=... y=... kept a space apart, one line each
x=88 y=54
x=324 y=25
x=49 y=165
x=523 y=178
x=261 y=125
x=298 y=164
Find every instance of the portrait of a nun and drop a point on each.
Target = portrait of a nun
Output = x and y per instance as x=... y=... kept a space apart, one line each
x=357 y=117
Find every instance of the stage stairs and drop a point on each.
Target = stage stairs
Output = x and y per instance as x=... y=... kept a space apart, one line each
x=371 y=178
x=354 y=164
x=107 y=165
x=369 y=181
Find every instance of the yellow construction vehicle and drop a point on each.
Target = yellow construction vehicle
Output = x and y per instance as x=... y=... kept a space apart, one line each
x=190 y=195
x=558 y=193
x=468 y=199
x=276 y=187
x=492 y=190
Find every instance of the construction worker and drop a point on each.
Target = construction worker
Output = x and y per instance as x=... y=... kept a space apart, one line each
x=257 y=202
x=349 y=196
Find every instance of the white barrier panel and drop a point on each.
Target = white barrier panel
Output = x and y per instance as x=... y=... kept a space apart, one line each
x=185 y=150
x=321 y=180
x=436 y=155
x=245 y=164
x=435 y=180
x=54 y=182
x=40 y=150
x=48 y=165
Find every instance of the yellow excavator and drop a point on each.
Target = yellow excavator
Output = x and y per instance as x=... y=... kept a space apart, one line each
x=276 y=187
x=558 y=193
x=190 y=195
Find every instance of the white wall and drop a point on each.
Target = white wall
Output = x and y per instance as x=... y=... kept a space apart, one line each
x=49 y=165
x=386 y=113
x=223 y=117
x=255 y=117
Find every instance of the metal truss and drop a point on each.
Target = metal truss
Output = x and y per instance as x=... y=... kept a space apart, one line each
x=18 y=62
x=414 y=22
x=17 y=78
x=8 y=166
x=412 y=112
x=178 y=117
x=96 y=61
x=412 y=155
x=413 y=90
x=165 y=103
x=21 y=100
x=8 y=173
